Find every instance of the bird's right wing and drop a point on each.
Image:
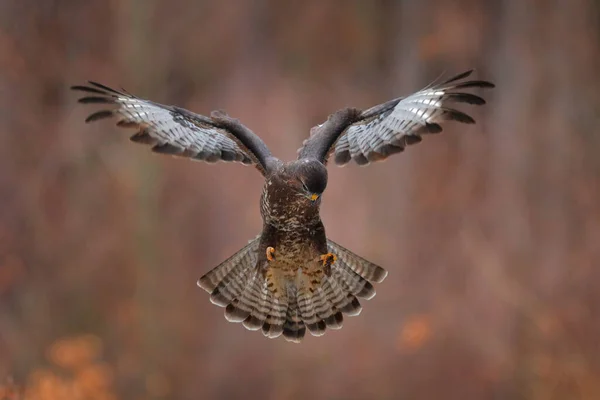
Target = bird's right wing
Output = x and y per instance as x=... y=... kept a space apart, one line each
x=179 y=132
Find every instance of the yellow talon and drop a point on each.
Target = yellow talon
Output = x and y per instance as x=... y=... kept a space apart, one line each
x=328 y=259
x=270 y=253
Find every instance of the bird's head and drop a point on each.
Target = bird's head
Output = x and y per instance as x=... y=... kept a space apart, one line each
x=309 y=178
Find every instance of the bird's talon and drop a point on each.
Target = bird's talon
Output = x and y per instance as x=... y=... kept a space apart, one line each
x=270 y=253
x=328 y=259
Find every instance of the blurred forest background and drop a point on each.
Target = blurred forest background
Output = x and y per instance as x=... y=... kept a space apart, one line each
x=491 y=232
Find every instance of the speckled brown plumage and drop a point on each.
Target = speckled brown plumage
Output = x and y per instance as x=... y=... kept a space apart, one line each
x=291 y=277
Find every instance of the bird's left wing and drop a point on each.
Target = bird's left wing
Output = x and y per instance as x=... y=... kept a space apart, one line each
x=176 y=131
x=388 y=128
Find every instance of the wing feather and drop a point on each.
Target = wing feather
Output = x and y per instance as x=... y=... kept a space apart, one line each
x=175 y=131
x=388 y=128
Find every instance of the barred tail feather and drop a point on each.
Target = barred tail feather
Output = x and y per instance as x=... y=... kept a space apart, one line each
x=364 y=268
x=273 y=325
x=293 y=327
x=227 y=281
x=239 y=285
x=334 y=319
x=306 y=304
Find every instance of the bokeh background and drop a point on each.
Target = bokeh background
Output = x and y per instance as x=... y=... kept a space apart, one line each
x=491 y=232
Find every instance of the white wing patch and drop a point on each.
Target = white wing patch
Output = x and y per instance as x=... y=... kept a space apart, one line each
x=168 y=129
x=388 y=128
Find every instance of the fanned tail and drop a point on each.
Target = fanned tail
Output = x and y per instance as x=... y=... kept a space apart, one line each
x=240 y=285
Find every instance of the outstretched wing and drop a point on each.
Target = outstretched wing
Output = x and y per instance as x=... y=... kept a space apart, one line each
x=388 y=128
x=179 y=132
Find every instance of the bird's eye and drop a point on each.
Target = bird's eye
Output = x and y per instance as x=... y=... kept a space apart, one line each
x=304 y=186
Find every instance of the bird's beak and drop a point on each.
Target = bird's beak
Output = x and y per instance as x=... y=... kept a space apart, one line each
x=314 y=196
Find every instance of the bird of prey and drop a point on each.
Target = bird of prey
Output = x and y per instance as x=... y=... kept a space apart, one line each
x=291 y=277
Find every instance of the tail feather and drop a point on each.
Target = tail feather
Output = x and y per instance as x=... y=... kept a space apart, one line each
x=227 y=281
x=333 y=318
x=353 y=282
x=293 y=327
x=306 y=303
x=268 y=313
x=273 y=325
x=254 y=300
x=233 y=312
x=239 y=285
x=341 y=299
x=364 y=268
x=215 y=276
x=335 y=321
x=231 y=286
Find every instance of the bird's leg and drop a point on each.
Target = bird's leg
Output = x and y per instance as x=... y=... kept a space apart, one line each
x=328 y=259
x=270 y=253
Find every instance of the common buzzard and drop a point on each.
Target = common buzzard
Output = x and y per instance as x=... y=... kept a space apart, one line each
x=291 y=277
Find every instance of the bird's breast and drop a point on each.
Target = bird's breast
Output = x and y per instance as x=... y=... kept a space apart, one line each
x=285 y=208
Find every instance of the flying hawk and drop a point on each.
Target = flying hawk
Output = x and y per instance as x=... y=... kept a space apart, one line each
x=291 y=277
